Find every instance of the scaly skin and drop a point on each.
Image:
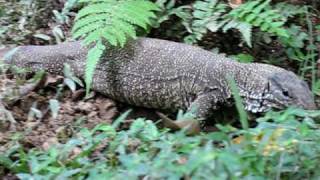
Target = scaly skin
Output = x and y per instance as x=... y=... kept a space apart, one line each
x=169 y=76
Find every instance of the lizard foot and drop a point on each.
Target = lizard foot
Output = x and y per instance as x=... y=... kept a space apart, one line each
x=192 y=126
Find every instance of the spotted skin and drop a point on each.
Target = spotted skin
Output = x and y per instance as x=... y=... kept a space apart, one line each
x=170 y=76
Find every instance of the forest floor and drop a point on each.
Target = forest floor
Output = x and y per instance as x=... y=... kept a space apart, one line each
x=25 y=110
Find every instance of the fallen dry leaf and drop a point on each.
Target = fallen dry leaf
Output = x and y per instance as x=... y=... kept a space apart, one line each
x=235 y=3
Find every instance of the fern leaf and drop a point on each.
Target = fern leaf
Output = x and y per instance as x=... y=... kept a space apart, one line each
x=119 y=14
x=260 y=8
x=93 y=58
x=130 y=18
x=260 y=14
x=144 y=5
x=244 y=9
x=93 y=9
x=125 y=27
x=87 y=21
x=246 y=32
x=244 y=28
x=118 y=34
x=250 y=17
x=92 y=37
x=110 y=20
x=87 y=29
x=206 y=14
x=110 y=38
x=139 y=14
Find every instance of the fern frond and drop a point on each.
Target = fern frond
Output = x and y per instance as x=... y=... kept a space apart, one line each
x=260 y=14
x=287 y=10
x=118 y=33
x=127 y=28
x=83 y=31
x=93 y=58
x=244 y=28
x=98 y=15
x=206 y=15
x=88 y=20
x=111 y=21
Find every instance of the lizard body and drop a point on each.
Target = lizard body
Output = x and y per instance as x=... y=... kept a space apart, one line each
x=167 y=75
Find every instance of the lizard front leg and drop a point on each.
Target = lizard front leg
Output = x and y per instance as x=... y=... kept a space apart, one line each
x=203 y=107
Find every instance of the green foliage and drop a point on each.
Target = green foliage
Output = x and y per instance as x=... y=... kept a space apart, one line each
x=260 y=14
x=210 y=15
x=243 y=27
x=213 y=15
x=63 y=16
x=206 y=15
x=20 y=19
x=284 y=145
x=288 y=11
x=93 y=58
x=244 y=58
x=112 y=21
x=168 y=9
x=238 y=102
x=295 y=42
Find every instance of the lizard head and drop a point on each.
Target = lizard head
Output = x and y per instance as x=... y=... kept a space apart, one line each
x=287 y=89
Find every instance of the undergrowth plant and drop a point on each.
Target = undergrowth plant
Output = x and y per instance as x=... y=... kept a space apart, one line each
x=206 y=15
x=112 y=22
x=284 y=145
x=214 y=15
x=260 y=14
x=20 y=20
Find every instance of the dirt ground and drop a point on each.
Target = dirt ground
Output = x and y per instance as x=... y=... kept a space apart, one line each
x=25 y=109
x=26 y=114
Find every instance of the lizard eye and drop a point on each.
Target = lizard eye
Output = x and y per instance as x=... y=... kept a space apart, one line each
x=286 y=93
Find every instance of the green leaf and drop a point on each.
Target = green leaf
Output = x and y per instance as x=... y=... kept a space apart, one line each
x=110 y=20
x=120 y=119
x=93 y=58
x=245 y=58
x=70 y=83
x=68 y=74
x=5 y=161
x=282 y=32
x=43 y=37
x=54 y=107
x=260 y=14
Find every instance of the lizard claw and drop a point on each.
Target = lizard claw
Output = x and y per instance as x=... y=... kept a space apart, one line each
x=192 y=126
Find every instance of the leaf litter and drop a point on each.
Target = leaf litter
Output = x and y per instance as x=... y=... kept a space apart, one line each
x=44 y=111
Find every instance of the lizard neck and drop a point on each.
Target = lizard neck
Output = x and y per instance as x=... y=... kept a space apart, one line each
x=253 y=86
